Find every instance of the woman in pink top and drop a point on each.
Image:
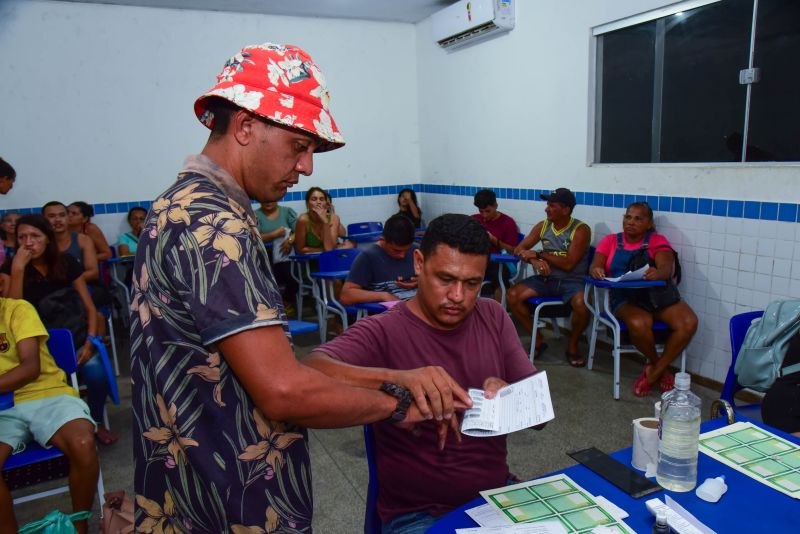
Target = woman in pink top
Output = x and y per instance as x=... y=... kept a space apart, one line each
x=637 y=307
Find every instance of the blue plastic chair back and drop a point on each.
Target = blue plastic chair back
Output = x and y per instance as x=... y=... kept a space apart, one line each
x=62 y=348
x=110 y=376
x=738 y=328
x=338 y=260
x=372 y=521
x=364 y=228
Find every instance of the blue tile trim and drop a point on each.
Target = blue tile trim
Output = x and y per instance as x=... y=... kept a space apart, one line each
x=748 y=209
x=769 y=211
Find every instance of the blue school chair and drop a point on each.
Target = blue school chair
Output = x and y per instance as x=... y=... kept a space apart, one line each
x=364 y=228
x=34 y=464
x=333 y=265
x=738 y=329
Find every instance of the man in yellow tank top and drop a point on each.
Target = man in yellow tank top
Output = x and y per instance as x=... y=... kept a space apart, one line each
x=560 y=267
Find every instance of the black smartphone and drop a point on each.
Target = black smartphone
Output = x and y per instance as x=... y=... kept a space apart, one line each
x=615 y=472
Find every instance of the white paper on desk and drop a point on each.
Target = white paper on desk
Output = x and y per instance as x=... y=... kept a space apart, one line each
x=630 y=276
x=542 y=527
x=486 y=516
x=520 y=405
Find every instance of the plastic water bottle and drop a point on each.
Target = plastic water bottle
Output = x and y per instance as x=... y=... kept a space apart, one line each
x=678 y=432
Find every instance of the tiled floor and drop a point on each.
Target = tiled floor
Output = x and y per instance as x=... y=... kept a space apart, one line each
x=586 y=415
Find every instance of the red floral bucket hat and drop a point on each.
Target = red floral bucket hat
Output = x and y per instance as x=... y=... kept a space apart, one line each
x=280 y=83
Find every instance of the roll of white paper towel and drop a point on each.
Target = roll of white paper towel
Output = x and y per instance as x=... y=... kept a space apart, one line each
x=645 y=442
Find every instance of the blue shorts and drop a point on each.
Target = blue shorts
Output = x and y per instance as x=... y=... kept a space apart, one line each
x=554 y=287
x=40 y=419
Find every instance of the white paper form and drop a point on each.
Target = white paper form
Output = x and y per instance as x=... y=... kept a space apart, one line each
x=486 y=516
x=520 y=405
x=630 y=276
x=545 y=527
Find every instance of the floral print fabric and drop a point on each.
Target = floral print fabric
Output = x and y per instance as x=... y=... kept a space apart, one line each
x=281 y=83
x=206 y=459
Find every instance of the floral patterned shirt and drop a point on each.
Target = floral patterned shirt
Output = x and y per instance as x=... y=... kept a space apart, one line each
x=206 y=459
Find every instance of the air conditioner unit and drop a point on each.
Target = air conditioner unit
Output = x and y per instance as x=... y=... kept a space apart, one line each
x=468 y=21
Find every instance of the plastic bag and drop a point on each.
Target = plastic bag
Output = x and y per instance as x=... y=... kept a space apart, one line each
x=56 y=522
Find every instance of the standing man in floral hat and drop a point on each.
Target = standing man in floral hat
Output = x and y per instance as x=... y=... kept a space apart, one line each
x=220 y=402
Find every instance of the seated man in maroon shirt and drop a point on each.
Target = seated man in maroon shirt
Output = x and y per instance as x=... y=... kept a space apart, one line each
x=503 y=235
x=422 y=474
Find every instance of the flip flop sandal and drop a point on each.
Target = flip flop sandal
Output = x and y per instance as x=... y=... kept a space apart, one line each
x=641 y=388
x=666 y=382
x=575 y=360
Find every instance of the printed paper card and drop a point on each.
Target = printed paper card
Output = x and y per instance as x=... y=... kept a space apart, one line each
x=757 y=453
x=554 y=498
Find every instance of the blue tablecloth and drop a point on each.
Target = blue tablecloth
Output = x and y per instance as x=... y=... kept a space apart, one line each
x=748 y=505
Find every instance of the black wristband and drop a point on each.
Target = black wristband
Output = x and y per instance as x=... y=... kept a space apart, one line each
x=403 y=397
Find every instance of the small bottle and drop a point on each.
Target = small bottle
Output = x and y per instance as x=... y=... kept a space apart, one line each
x=678 y=433
x=661 y=526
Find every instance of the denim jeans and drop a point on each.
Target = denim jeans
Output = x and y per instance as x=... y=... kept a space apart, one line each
x=411 y=523
x=93 y=375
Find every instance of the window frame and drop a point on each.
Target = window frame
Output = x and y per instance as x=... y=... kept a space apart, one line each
x=595 y=67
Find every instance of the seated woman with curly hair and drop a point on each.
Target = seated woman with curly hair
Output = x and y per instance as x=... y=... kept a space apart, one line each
x=638 y=308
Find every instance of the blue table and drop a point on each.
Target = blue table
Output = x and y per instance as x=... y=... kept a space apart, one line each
x=748 y=506
x=366 y=237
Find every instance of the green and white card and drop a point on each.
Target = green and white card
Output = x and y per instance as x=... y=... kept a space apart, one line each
x=554 y=498
x=757 y=453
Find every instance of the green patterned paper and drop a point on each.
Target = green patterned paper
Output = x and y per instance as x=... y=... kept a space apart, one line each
x=757 y=453
x=553 y=498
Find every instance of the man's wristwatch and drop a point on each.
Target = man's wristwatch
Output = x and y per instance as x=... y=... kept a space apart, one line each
x=403 y=397
x=538 y=255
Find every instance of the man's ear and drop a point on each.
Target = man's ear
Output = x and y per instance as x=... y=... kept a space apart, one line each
x=243 y=125
x=419 y=261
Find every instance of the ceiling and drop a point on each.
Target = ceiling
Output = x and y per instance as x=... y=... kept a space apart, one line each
x=383 y=10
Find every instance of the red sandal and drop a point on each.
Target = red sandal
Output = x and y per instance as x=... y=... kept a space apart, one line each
x=641 y=388
x=667 y=382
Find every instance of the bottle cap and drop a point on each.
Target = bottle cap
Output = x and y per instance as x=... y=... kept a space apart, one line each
x=683 y=380
x=712 y=489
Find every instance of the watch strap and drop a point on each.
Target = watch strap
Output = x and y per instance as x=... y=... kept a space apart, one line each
x=403 y=397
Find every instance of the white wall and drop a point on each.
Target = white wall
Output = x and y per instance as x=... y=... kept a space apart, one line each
x=97 y=105
x=513 y=112
x=97 y=99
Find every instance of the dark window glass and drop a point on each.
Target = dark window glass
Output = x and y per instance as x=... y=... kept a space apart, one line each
x=626 y=95
x=703 y=102
x=668 y=90
x=775 y=100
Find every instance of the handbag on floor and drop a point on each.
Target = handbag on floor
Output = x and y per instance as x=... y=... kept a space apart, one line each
x=117 y=514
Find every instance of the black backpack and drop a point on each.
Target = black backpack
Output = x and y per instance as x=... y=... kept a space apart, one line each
x=64 y=309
